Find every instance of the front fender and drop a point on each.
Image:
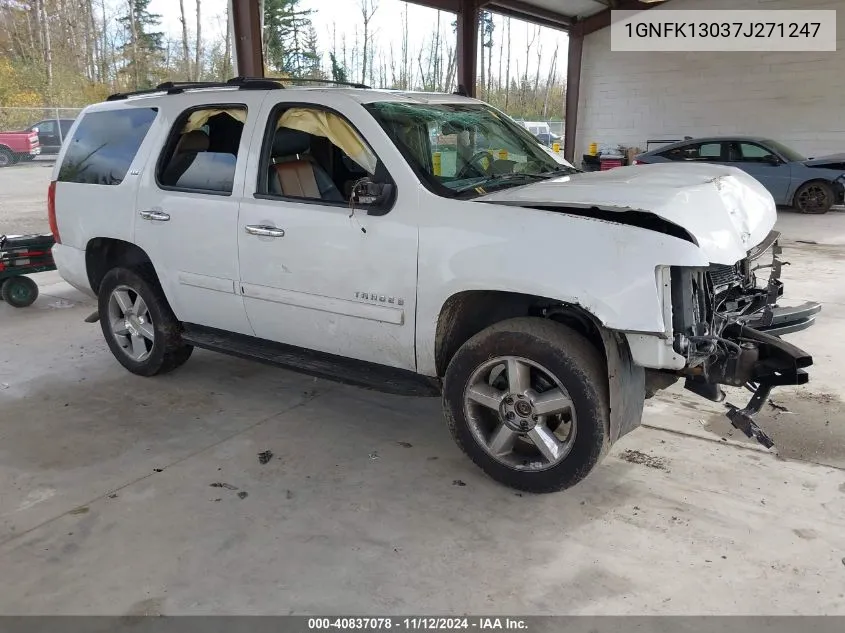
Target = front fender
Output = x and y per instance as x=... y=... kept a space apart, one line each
x=606 y=268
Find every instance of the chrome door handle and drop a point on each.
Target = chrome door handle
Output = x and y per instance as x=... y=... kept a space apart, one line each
x=264 y=230
x=155 y=215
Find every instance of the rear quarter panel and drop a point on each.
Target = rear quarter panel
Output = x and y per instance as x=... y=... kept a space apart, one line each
x=85 y=211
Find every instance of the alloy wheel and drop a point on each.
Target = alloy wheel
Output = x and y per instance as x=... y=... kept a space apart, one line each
x=813 y=198
x=130 y=323
x=520 y=413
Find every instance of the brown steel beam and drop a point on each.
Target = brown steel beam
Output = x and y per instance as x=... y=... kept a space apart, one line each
x=601 y=20
x=443 y=5
x=246 y=21
x=524 y=11
x=467 y=50
x=573 y=93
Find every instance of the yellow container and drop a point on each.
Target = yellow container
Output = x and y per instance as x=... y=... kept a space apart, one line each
x=556 y=148
x=436 y=163
x=594 y=149
x=503 y=154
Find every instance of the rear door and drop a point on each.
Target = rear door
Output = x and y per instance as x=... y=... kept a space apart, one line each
x=188 y=202
x=772 y=172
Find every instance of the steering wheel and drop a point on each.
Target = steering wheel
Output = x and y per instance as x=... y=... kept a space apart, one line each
x=475 y=163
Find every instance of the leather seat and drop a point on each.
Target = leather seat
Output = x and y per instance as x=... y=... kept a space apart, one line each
x=189 y=145
x=295 y=173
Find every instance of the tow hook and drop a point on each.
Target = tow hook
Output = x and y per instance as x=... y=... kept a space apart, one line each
x=743 y=419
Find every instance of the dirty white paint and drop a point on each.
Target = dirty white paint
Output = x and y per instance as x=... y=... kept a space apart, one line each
x=724 y=209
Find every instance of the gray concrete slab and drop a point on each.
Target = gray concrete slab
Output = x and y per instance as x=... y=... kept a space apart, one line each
x=107 y=507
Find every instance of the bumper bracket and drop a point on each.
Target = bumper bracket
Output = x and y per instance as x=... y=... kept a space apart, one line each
x=743 y=419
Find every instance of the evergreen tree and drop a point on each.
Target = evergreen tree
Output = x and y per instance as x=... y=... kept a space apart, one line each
x=338 y=71
x=144 y=46
x=288 y=45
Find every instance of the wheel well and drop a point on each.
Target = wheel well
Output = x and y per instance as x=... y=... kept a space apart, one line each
x=6 y=148
x=103 y=253
x=809 y=182
x=467 y=313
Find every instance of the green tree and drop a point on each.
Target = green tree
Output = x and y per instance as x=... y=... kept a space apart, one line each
x=288 y=43
x=338 y=71
x=143 y=46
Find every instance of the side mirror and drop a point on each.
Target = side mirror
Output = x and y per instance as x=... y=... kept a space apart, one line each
x=375 y=195
x=773 y=160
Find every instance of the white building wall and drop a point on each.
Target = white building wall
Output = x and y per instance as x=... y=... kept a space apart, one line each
x=797 y=98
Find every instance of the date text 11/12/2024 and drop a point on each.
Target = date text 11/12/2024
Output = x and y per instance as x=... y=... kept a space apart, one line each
x=418 y=624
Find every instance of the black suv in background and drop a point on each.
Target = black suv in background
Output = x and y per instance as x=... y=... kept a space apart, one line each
x=51 y=133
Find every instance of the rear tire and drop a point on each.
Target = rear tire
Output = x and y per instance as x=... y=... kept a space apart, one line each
x=7 y=158
x=19 y=292
x=563 y=367
x=138 y=324
x=815 y=197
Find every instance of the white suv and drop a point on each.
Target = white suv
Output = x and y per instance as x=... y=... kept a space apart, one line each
x=422 y=244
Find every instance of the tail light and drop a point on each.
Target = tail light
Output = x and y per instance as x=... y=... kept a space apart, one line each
x=638 y=162
x=51 y=212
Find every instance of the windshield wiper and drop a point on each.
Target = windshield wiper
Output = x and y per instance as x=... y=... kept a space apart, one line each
x=498 y=181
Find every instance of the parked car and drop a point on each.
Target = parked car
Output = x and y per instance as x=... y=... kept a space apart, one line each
x=548 y=138
x=810 y=185
x=310 y=229
x=17 y=146
x=51 y=133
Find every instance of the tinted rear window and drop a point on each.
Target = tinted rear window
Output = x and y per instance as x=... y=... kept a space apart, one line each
x=104 y=145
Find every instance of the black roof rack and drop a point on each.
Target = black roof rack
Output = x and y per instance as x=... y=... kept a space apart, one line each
x=177 y=87
x=307 y=80
x=242 y=83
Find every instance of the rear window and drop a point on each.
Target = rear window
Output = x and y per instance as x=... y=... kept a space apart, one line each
x=104 y=145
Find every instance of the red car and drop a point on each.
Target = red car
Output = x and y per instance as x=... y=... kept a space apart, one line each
x=16 y=146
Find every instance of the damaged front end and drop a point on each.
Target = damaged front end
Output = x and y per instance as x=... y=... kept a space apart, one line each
x=727 y=325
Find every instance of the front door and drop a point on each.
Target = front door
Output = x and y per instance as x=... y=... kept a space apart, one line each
x=187 y=211
x=48 y=136
x=772 y=172
x=316 y=272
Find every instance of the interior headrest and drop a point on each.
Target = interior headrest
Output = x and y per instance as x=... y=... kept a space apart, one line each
x=288 y=142
x=193 y=141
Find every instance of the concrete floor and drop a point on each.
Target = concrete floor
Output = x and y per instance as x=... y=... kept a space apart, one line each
x=367 y=507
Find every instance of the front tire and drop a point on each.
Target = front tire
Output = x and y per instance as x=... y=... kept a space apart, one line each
x=138 y=324
x=814 y=197
x=527 y=401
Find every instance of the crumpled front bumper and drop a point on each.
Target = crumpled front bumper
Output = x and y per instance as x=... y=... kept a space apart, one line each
x=749 y=350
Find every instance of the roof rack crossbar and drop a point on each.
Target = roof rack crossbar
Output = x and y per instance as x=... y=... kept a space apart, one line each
x=292 y=80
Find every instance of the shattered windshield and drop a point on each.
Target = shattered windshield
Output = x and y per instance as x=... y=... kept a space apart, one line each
x=466 y=150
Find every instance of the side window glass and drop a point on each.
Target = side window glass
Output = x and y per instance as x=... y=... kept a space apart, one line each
x=46 y=127
x=710 y=151
x=104 y=145
x=202 y=150
x=316 y=154
x=697 y=152
x=750 y=152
